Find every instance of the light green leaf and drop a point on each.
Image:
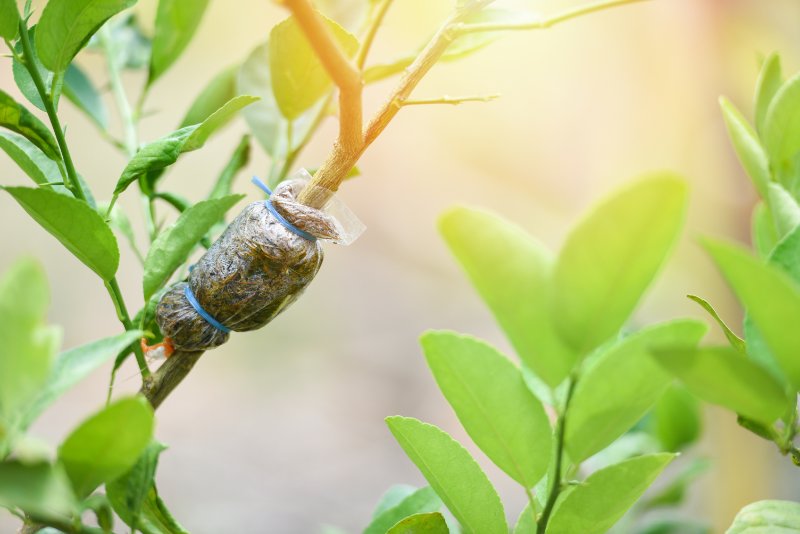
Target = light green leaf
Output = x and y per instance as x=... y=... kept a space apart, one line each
x=264 y=118
x=735 y=341
x=526 y=522
x=66 y=26
x=674 y=492
x=31 y=160
x=611 y=257
x=765 y=237
x=78 y=88
x=770 y=80
x=107 y=444
x=73 y=366
x=602 y=499
x=9 y=19
x=782 y=132
x=676 y=419
x=75 y=224
x=515 y=288
x=118 y=221
x=784 y=209
x=490 y=398
x=421 y=501
x=239 y=159
x=18 y=119
x=747 y=146
x=40 y=489
x=24 y=80
x=621 y=386
x=173 y=245
x=721 y=375
x=430 y=523
x=176 y=23
x=350 y=14
x=771 y=298
x=298 y=78
x=163 y=152
x=128 y=493
x=393 y=496
x=767 y=517
x=221 y=89
x=453 y=473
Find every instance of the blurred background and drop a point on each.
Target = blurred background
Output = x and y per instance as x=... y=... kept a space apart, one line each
x=281 y=430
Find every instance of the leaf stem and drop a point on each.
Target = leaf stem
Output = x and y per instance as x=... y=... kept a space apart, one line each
x=555 y=484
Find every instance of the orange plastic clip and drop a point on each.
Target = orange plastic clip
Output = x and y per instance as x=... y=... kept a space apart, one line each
x=163 y=349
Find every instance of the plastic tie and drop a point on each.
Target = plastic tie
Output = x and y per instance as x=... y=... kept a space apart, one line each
x=280 y=218
x=204 y=314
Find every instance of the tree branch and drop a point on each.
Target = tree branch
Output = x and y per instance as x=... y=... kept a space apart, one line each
x=160 y=384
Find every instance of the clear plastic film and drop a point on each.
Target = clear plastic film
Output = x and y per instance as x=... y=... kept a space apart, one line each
x=260 y=265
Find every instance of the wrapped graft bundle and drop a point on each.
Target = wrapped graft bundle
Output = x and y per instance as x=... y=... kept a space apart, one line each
x=261 y=264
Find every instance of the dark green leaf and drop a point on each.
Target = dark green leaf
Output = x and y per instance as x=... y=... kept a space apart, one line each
x=129 y=492
x=239 y=159
x=31 y=160
x=176 y=23
x=515 y=289
x=490 y=398
x=767 y=517
x=610 y=258
x=164 y=152
x=782 y=131
x=78 y=88
x=107 y=444
x=430 y=523
x=73 y=366
x=722 y=375
x=75 y=224
x=735 y=341
x=298 y=77
x=676 y=419
x=453 y=473
x=172 y=246
x=771 y=298
x=421 y=501
x=66 y=26
x=9 y=19
x=39 y=489
x=601 y=500
x=621 y=386
x=770 y=80
x=747 y=146
x=18 y=119
x=221 y=89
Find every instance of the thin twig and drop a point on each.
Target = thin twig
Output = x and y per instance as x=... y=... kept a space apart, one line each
x=451 y=100
x=375 y=22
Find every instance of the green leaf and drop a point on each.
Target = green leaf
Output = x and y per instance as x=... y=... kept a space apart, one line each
x=676 y=419
x=163 y=152
x=173 y=245
x=66 y=26
x=675 y=491
x=132 y=47
x=176 y=23
x=40 y=489
x=73 y=366
x=298 y=77
x=154 y=517
x=526 y=522
x=611 y=257
x=747 y=146
x=264 y=118
x=721 y=375
x=118 y=221
x=421 y=501
x=735 y=341
x=675 y=526
x=765 y=237
x=511 y=272
x=24 y=80
x=782 y=131
x=762 y=517
x=601 y=500
x=107 y=444
x=239 y=159
x=78 y=88
x=430 y=523
x=784 y=209
x=221 y=89
x=31 y=160
x=453 y=473
x=770 y=80
x=393 y=496
x=9 y=19
x=621 y=386
x=490 y=398
x=75 y=224
x=128 y=493
x=771 y=298
x=18 y=119
x=28 y=348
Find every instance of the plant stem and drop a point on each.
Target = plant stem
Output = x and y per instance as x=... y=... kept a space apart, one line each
x=122 y=314
x=555 y=484
x=452 y=100
x=160 y=384
x=120 y=97
x=376 y=18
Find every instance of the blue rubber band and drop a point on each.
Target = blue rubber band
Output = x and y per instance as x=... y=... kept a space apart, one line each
x=281 y=219
x=204 y=314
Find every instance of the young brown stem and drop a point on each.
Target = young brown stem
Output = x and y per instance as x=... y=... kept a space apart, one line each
x=160 y=384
